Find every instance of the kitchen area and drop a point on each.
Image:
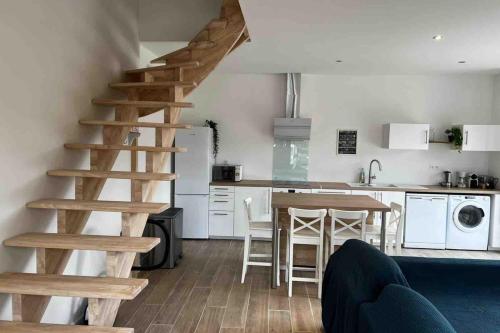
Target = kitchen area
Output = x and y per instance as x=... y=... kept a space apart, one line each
x=459 y=210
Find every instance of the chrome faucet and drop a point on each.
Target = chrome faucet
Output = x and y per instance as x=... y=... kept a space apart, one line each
x=370 y=176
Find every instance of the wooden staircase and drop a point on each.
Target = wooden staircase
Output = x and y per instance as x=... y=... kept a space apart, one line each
x=148 y=90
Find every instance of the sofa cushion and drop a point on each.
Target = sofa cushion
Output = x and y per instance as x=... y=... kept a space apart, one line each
x=399 y=309
x=356 y=273
x=465 y=291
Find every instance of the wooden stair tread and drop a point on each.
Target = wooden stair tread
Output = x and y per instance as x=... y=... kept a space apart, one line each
x=140 y=104
x=99 y=205
x=111 y=174
x=152 y=85
x=132 y=124
x=163 y=58
x=187 y=64
x=70 y=286
x=22 y=327
x=83 y=242
x=124 y=147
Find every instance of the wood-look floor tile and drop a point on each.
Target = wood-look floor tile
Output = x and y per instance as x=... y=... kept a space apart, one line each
x=300 y=309
x=211 y=320
x=143 y=317
x=220 y=289
x=162 y=290
x=190 y=316
x=128 y=308
x=258 y=305
x=312 y=291
x=232 y=330
x=237 y=304
x=214 y=263
x=279 y=322
x=159 y=329
x=278 y=298
x=177 y=299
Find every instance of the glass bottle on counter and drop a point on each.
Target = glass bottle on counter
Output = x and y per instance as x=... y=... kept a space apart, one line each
x=362 y=176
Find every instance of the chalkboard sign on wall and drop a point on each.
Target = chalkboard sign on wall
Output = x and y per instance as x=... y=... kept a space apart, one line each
x=347 y=142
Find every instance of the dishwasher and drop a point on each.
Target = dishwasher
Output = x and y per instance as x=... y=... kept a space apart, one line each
x=425 y=221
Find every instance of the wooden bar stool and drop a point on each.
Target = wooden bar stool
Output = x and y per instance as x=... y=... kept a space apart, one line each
x=345 y=225
x=306 y=227
x=263 y=230
x=394 y=230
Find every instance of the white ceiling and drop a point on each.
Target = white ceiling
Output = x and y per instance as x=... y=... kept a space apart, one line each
x=369 y=36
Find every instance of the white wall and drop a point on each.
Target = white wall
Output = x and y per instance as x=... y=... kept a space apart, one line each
x=494 y=166
x=174 y=20
x=367 y=102
x=244 y=105
x=57 y=56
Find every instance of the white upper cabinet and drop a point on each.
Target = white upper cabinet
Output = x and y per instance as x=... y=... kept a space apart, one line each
x=406 y=136
x=481 y=137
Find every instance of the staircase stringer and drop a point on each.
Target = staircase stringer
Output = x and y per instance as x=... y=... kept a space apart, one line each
x=133 y=224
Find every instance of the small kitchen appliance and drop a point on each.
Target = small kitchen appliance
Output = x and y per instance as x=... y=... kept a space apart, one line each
x=461 y=179
x=473 y=180
x=447 y=179
x=233 y=173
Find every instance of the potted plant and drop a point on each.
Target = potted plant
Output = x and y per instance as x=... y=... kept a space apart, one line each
x=215 y=139
x=455 y=137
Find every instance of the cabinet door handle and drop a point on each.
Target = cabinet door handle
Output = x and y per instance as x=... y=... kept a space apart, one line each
x=466 y=137
x=268 y=201
x=426 y=136
x=220 y=188
x=220 y=214
x=220 y=195
x=221 y=201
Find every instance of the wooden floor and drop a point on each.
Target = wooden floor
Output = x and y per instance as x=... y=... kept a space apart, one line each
x=204 y=294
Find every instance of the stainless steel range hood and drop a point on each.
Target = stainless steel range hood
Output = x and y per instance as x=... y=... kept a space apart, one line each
x=292 y=127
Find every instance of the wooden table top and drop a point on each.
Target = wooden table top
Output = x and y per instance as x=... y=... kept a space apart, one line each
x=320 y=201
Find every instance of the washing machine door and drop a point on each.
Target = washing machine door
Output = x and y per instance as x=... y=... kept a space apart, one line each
x=468 y=216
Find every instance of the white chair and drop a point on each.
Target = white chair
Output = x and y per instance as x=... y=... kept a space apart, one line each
x=308 y=232
x=393 y=231
x=263 y=230
x=345 y=225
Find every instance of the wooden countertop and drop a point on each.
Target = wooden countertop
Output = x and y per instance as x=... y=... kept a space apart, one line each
x=321 y=201
x=345 y=186
x=244 y=182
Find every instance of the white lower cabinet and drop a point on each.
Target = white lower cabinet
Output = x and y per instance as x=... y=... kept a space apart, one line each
x=221 y=211
x=261 y=206
x=385 y=197
x=220 y=223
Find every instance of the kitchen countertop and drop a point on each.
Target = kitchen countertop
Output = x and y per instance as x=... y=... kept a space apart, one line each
x=345 y=186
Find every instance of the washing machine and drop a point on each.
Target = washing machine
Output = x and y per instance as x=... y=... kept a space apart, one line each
x=468 y=222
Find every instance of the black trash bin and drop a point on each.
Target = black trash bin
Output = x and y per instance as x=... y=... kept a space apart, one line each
x=168 y=227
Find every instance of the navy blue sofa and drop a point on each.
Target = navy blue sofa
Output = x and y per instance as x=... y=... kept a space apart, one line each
x=366 y=291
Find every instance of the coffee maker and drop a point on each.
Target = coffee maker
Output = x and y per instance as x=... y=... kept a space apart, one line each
x=447 y=179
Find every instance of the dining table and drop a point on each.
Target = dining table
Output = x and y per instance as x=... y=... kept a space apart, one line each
x=282 y=201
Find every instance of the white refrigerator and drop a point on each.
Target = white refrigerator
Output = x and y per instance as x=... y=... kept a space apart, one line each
x=193 y=169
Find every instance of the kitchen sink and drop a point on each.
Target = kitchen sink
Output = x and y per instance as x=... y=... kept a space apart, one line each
x=372 y=185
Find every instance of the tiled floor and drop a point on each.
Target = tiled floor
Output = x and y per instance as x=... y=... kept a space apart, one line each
x=204 y=294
